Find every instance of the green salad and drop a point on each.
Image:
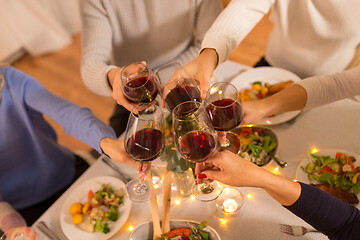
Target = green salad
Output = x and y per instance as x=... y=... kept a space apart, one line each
x=191 y=233
x=338 y=171
x=256 y=146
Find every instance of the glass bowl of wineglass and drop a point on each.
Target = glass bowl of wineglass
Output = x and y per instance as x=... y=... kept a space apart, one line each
x=144 y=142
x=176 y=85
x=195 y=141
x=139 y=83
x=224 y=108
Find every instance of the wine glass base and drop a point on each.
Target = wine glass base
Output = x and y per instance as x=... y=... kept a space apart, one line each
x=233 y=143
x=207 y=192
x=138 y=191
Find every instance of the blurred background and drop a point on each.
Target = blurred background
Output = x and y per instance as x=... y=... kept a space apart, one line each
x=42 y=38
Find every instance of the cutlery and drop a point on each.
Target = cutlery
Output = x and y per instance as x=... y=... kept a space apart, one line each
x=279 y=162
x=295 y=230
x=47 y=231
x=112 y=165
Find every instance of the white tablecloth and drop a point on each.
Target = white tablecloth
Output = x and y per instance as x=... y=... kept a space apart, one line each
x=335 y=125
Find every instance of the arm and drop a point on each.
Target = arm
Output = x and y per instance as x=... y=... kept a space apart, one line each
x=228 y=30
x=326 y=213
x=96 y=47
x=76 y=121
x=308 y=93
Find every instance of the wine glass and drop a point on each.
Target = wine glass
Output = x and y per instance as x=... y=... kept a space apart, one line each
x=224 y=108
x=144 y=142
x=195 y=141
x=139 y=83
x=176 y=85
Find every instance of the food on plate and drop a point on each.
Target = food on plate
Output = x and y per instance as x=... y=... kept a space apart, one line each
x=261 y=90
x=190 y=233
x=256 y=146
x=348 y=197
x=338 y=172
x=101 y=208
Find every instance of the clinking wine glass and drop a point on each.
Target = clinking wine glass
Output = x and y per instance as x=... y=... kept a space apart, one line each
x=139 y=83
x=224 y=108
x=195 y=141
x=144 y=142
x=176 y=85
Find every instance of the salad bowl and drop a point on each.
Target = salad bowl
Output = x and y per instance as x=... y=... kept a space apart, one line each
x=261 y=150
x=144 y=231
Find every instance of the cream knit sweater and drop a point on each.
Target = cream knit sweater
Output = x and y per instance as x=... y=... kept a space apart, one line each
x=310 y=37
x=115 y=33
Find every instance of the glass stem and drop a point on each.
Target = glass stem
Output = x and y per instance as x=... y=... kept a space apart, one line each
x=224 y=142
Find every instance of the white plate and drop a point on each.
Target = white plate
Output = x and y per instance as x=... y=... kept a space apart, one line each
x=144 y=231
x=79 y=194
x=271 y=75
x=303 y=176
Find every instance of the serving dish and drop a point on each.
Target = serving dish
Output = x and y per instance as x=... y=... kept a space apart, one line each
x=144 y=231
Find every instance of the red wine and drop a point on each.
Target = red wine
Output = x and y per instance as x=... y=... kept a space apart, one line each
x=145 y=145
x=225 y=114
x=196 y=146
x=141 y=90
x=182 y=94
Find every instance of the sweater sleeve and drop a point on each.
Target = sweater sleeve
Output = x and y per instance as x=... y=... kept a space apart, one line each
x=76 y=121
x=329 y=88
x=206 y=14
x=96 y=47
x=326 y=213
x=233 y=24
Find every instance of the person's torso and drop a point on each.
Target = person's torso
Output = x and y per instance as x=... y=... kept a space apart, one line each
x=314 y=37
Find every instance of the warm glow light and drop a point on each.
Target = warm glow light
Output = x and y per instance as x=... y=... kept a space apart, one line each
x=157 y=201
x=230 y=205
x=177 y=202
x=131 y=228
x=156 y=182
x=268 y=122
x=193 y=197
x=314 y=150
x=276 y=169
x=222 y=220
x=220 y=92
x=294 y=180
x=249 y=196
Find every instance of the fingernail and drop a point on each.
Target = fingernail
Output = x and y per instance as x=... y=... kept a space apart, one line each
x=201 y=176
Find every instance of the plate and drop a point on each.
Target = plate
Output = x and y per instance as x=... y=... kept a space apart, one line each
x=303 y=176
x=79 y=194
x=144 y=231
x=271 y=75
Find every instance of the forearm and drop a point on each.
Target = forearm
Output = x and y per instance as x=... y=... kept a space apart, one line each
x=96 y=46
x=290 y=99
x=329 y=88
x=233 y=24
x=326 y=213
x=283 y=190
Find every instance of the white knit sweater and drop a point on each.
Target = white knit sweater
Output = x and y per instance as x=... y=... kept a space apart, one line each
x=325 y=89
x=115 y=33
x=310 y=37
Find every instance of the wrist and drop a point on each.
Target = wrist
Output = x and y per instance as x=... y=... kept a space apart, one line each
x=210 y=56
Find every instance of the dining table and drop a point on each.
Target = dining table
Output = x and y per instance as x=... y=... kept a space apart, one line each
x=332 y=126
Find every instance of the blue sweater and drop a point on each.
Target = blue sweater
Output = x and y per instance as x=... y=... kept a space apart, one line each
x=33 y=166
x=328 y=214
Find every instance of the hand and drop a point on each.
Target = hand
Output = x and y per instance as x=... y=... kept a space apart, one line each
x=253 y=111
x=114 y=76
x=28 y=232
x=231 y=169
x=202 y=68
x=116 y=151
